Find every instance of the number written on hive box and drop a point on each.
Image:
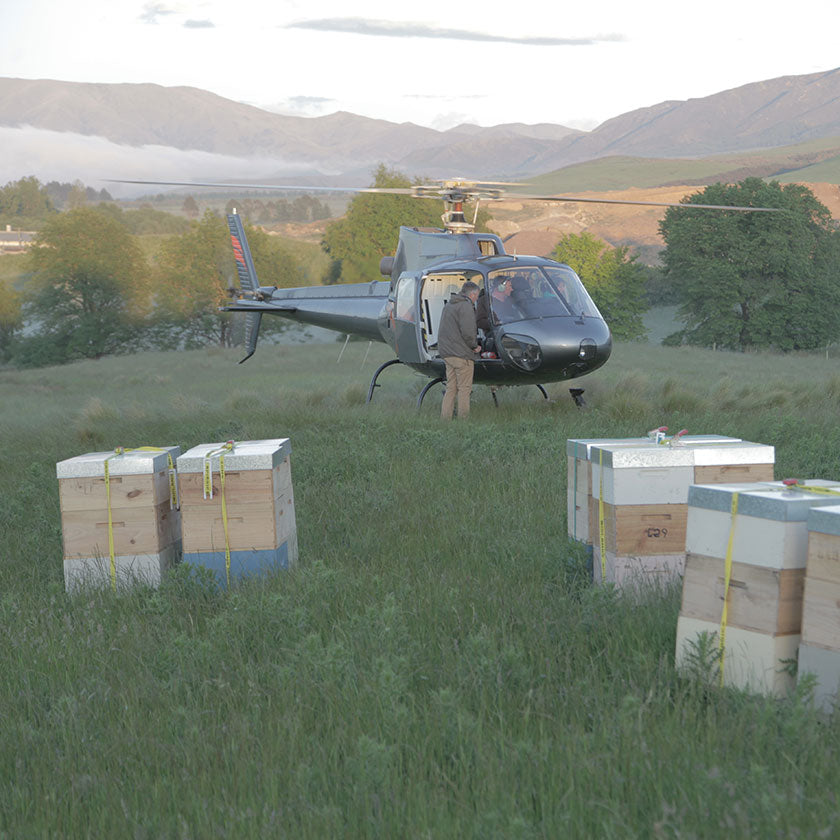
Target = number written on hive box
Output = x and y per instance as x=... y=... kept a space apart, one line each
x=655 y=533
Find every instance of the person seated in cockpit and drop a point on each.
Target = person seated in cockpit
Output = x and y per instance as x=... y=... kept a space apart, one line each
x=522 y=295
x=482 y=313
x=504 y=309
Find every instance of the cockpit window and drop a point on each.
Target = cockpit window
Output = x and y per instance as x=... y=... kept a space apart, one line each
x=526 y=292
x=571 y=290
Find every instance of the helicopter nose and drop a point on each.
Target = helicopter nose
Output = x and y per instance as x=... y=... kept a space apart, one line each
x=560 y=345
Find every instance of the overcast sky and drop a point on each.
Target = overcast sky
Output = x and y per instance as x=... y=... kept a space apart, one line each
x=434 y=63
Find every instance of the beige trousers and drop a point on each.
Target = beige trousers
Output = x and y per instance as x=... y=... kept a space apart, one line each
x=459 y=379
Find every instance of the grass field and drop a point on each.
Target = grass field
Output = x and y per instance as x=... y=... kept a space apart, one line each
x=786 y=164
x=437 y=666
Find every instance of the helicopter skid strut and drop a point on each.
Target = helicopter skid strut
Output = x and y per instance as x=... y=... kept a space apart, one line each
x=376 y=376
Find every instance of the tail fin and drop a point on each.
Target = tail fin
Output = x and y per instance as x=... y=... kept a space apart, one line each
x=242 y=254
x=247 y=279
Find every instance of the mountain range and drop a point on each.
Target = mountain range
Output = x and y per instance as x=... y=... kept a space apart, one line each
x=204 y=135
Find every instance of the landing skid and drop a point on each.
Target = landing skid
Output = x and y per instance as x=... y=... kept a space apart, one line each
x=426 y=388
x=376 y=376
x=577 y=395
x=493 y=389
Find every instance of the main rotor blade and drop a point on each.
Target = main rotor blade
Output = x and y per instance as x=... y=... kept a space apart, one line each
x=287 y=187
x=516 y=197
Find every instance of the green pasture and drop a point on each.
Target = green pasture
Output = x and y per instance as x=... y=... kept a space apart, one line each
x=438 y=665
x=620 y=172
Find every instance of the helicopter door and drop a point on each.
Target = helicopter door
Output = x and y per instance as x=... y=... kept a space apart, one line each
x=405 y=320
x=434 y=294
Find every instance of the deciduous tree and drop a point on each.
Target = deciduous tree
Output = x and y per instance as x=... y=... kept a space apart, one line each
x=613 y=279
x=754 y=279
x=89 y=290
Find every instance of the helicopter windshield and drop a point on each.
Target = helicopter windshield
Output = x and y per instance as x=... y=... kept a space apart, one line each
x=527 y=292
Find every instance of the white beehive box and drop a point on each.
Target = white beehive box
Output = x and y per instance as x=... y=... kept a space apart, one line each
x=769 y=541
x=645 y=501
x=819 y=650
x=144 y=522
x=258 y=502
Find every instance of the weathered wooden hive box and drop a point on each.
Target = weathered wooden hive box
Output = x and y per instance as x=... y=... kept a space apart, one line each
x=581 y=508
x=819 y=650
x=144 y=520
x=645 y=501
x=767 y=544
x=257 y=501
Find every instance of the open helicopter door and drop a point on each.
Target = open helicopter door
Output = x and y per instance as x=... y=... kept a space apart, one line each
x=434 y=294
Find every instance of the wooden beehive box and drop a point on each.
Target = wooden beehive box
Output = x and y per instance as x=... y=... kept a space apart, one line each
x=258 y=502
x=769 y=544
x=145 y=525
x=645 y=501
x=819 y=650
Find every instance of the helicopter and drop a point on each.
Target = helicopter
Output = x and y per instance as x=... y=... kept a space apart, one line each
x=541 y=324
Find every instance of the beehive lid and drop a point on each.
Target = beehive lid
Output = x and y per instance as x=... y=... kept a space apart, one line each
x=733 y=452
x=826 y=520
x=133 y=462
x=642 y=456
x=245 y=455
x=763 y=500
x=580 y=447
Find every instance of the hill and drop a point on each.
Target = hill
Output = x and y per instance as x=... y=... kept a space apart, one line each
x=44 y=121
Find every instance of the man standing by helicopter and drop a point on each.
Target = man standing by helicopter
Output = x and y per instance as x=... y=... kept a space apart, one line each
x=458 y=347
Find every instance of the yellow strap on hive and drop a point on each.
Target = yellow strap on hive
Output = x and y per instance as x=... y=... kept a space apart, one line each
x=810 y=488
x=726 y=578
x=227 y=447
x=602 y=528
x=113 y=561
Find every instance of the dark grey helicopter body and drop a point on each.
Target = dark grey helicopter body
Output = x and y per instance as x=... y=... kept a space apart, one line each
x=540 y=340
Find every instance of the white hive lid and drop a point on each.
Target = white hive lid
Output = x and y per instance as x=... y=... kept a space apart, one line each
x=826 y=520
x=580 y=447
x=245 y=455
x=734 y=452
x=764 y=500
x=643 y=456
x=134 y=462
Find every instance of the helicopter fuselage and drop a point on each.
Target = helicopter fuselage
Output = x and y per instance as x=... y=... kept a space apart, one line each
x=540 y=324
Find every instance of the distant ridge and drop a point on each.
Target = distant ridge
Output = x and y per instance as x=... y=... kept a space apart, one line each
x=758 y=116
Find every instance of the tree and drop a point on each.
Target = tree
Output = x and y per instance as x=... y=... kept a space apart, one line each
x=371 y=227
x=190 y=207
x=25 y=203
x=754 y=279
x=613 y=279
x=10 y=316
x=89 y=290
x=195 y=272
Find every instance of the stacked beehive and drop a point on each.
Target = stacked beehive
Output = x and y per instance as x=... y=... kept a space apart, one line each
x=581 y=507
x=819 y=650
x=119 y=518
x=237 y=507
x=640 y=500
x=759 y=545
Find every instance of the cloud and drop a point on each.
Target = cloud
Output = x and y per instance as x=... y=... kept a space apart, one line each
x=392 y=29
x=199 y=24
x=152 y=11
x=68 y=157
